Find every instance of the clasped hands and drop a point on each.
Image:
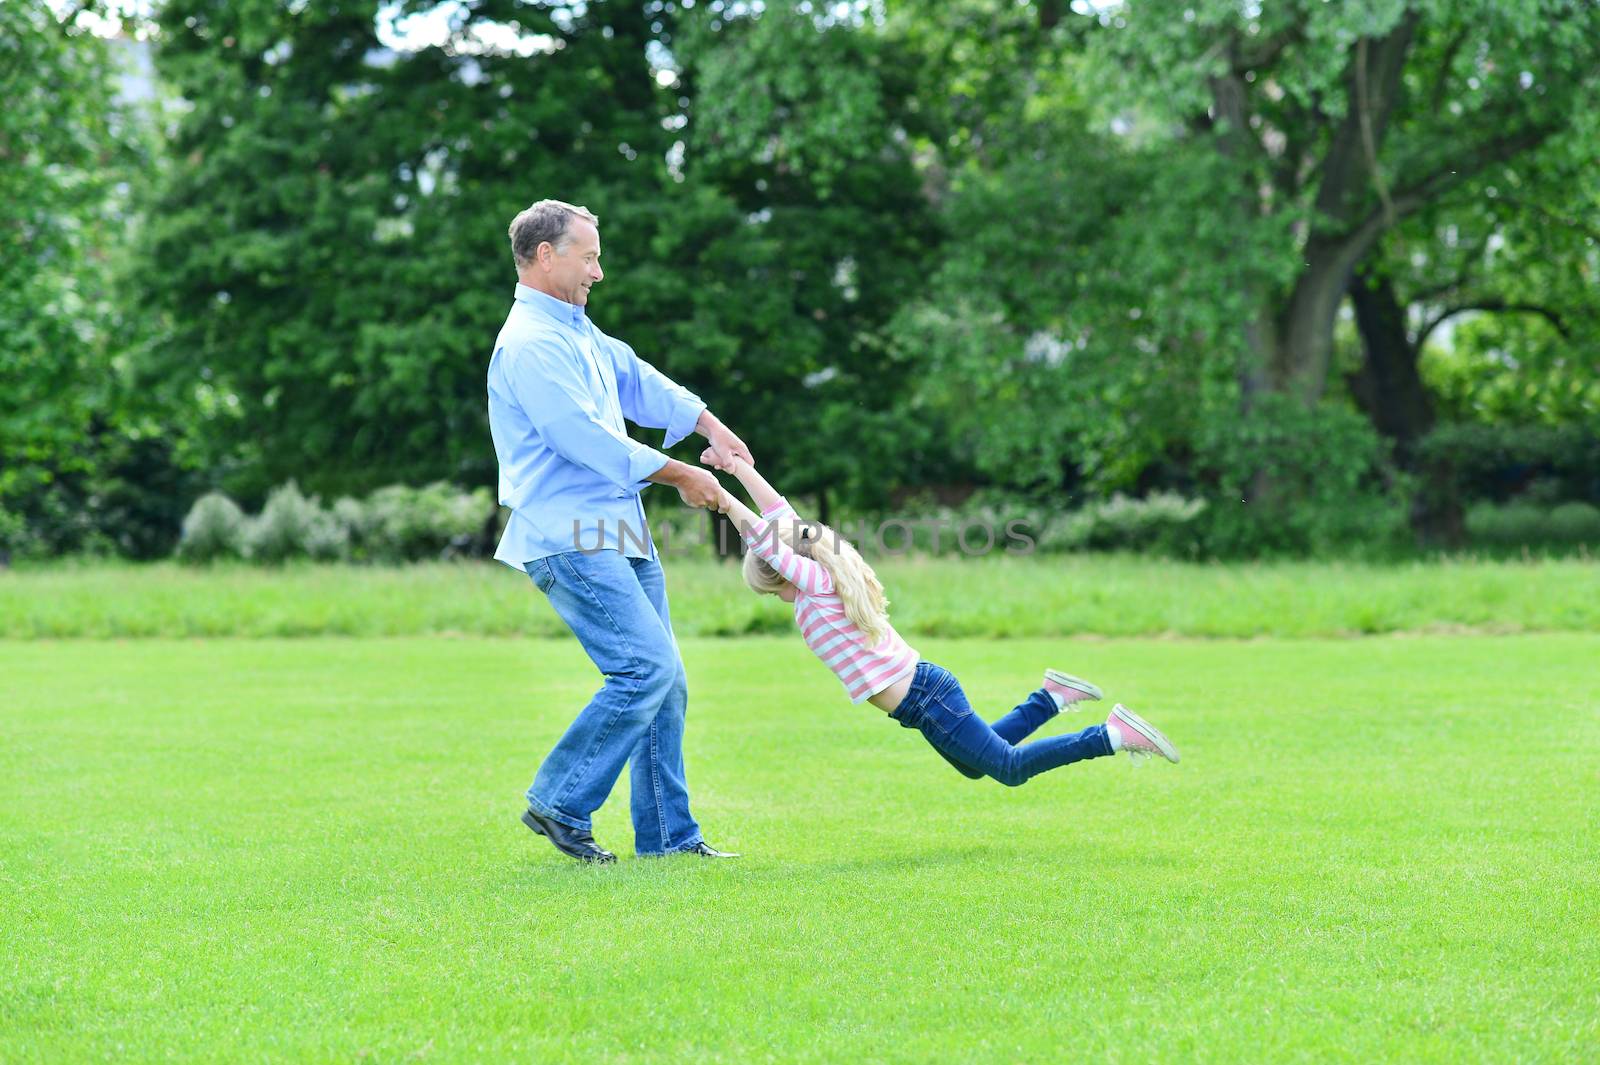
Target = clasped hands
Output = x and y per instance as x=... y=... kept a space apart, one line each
x=700 y=488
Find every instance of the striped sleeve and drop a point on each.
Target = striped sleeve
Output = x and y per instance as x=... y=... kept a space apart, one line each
x=803 y=573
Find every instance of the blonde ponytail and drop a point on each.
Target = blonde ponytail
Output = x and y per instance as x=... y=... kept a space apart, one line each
x=854 y=581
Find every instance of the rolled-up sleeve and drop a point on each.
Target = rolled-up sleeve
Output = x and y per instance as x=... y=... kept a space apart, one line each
x=649 y=398
x=546 y=382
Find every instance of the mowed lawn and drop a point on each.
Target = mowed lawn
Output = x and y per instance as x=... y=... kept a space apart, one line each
x=1375 y=849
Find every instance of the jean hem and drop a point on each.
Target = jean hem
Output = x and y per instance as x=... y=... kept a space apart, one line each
x=546 y=810
x=696 y=841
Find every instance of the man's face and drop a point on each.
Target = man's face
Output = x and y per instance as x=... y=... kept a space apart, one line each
x=576 y=267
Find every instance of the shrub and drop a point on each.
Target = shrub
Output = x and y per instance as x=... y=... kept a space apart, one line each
x=988 y=522
x=400 y=523
x=214 y=528
x=1162 y=523
x=292 y=526
x=1527 y=524
x=1469 y=461
x=1507 y=525
x=1292 y=479
x=1575 y=523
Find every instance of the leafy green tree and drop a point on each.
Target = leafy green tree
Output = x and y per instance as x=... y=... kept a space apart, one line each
x=65 y=145
x=327 y=243
x=807 y=225
x=1509 y=268
x=1157 y=210
x=1348 y=119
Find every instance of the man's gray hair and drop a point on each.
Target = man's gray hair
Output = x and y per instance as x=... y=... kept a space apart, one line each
x=547 y=220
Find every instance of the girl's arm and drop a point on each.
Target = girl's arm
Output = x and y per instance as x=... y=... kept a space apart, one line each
x=743 y=517
x=761 y=538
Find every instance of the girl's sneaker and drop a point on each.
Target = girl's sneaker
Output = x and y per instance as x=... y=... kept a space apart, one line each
x=1068 y=689
x=1140 y=738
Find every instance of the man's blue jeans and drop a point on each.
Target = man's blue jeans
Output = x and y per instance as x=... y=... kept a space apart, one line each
x=617 y=607
x=938 y=708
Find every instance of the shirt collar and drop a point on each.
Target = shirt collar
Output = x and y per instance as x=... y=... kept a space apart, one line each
x=566 y=313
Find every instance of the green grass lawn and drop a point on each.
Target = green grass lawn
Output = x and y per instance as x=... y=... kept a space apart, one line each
x=284 y=850
x=997 y=596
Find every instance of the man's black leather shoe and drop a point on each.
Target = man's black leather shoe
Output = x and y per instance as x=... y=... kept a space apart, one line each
x=573 y=842
x=706 y=850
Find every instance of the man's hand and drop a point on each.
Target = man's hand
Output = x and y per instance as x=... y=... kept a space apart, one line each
x=710 y=457
x=724 y=442
x=700 y=488
x=696 y=487
x=729 y=449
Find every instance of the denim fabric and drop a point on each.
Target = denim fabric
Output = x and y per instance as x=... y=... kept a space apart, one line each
x=938 y=708
x=617 y=607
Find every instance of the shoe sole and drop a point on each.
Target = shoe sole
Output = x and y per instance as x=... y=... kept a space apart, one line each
x=538 y=830
x=1076 y=683
x=1149 y=732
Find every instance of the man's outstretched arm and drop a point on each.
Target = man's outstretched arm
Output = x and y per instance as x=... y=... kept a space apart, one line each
x=649 y=398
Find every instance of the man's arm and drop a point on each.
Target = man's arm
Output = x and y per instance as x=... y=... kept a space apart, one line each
x=649 y=398
x=696 y=487
x=728 y=447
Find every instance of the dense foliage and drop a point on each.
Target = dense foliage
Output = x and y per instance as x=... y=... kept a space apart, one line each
x=1291 y=263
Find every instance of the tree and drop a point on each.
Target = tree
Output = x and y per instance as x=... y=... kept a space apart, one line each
x=64 y=145
x=328 y=243
x=1349 y=119
x=808 y=226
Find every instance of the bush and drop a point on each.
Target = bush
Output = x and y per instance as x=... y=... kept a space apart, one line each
x=1162 y=523
x=400 y=523
x=1506 y=525
x=1466 y=462
x=1527 y=524
x=214 y=528
x=1297 y=480
x=292 y=526
x=1575 y=523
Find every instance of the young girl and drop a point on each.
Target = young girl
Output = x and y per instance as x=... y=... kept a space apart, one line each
x=842 y=613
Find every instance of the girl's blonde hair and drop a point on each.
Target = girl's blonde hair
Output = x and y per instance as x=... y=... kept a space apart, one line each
x=853 y=580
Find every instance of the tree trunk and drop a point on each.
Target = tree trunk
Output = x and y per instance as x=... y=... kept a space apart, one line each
x=1388 y=387
x=1344 y=225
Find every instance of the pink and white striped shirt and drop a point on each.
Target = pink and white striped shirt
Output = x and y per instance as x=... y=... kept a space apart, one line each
x=819 y=612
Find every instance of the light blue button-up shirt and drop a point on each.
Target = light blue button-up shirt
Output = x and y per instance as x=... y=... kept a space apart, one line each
x=559 y=390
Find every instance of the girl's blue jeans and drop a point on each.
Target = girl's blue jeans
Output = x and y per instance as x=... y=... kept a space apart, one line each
x=938 y=708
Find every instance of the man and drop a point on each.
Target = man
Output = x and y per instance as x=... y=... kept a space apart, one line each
x=559 y=390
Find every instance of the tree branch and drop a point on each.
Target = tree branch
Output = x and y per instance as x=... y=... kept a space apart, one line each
x=1367 y=140
x=1371 y=93
x=1268 y=50
x=1468 y=260
x=1449 y=175
x=1442 y=77
x=1559 y=219
x=1494 y=305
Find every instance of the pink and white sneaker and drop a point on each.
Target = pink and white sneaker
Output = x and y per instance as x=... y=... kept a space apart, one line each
x=1068 y=689
x=1140 y=738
